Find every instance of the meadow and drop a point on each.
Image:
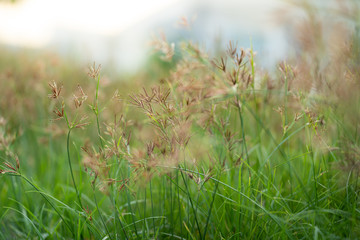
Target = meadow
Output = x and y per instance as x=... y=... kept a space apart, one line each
x=196 y=145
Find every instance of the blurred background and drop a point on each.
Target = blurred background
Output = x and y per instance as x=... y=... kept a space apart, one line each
x=117 y=33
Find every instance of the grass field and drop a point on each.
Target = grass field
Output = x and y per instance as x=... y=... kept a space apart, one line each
x=192 y=147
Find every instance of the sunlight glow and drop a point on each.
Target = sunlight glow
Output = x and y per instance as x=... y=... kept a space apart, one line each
x=32 y=23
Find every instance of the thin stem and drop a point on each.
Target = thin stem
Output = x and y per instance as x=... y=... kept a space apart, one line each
x=96 y=110
x=97 y=91
x=113 y=200
x=101 y=217
x=71 y=170
x=192 y=205
x=144 y=223
x=152 y=206
x=129 y=204
x=98 y=129
x=243 y=133
x=210 y=209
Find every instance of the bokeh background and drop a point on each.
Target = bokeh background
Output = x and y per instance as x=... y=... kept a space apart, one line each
x=118 y=33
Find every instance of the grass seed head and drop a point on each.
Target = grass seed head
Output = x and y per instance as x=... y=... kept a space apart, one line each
x=220 y=64
x=161 y=45
x=94 y=71
x=231 y=50
x=55 y=90
x=80 y=99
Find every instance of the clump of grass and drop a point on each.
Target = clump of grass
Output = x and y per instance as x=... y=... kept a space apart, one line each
x=215 y=150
